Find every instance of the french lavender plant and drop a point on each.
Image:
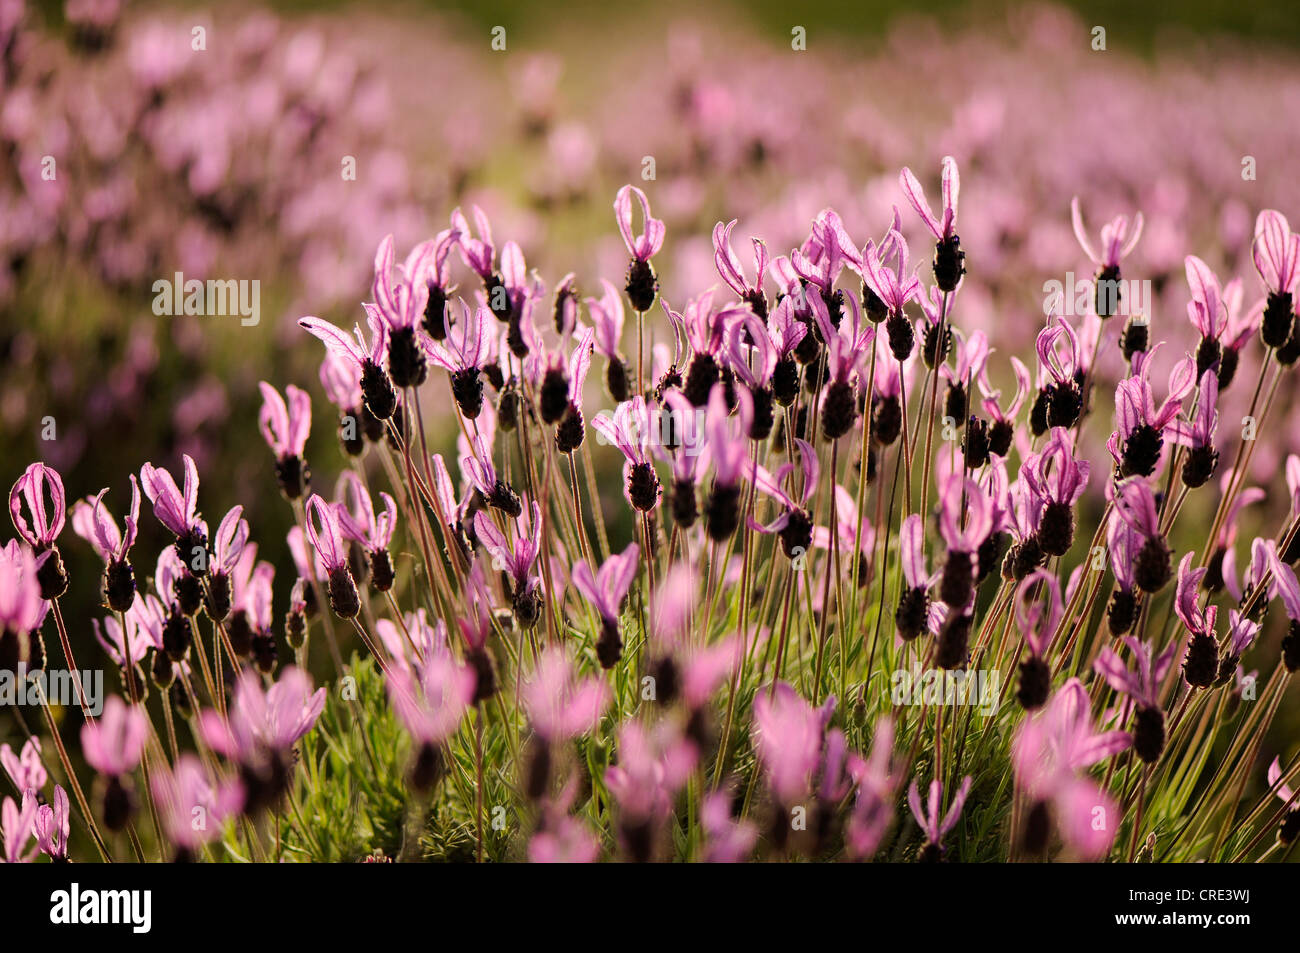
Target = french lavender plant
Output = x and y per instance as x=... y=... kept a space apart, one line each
x=758 y=593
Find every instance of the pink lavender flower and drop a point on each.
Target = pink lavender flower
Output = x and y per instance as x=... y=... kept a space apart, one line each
x=482 y=474
x=733 y=273
x=463 y=354
x=402 y=306
x=285 y=429
x=1276 y=251
x=563 y=840
x=1201 y=665
x=629 y=430
x=607 y=319
x=730 y=840
x=1290 y=826
x=357 y=520
x=932 y=824
x=642 y=285
x=93 y=523
x=1142 y=686
x=376 y=387
x=179 y=511
x=431 y=699
x=948 y=256
x=1136 y=445
x=1058 y=479
x=559 y=705
x=261 y=728
x=25 y=769
x=877 y=778
x=1037 y=622
x=788 y=740
x=327 y=538
x=654 y=763
x=1051 y=750
x=606 y=591
x=518 y=560
x=1147 y=555
x=427 y=265
x=1060 y=398
x=113 y=746
x=22 y=610
x=52 y=825
x=893 y=288
x=1198 y=435
x=192 y=805
x=567 y=399
x=16 y=829
x=1117 y=242
x=45 y=526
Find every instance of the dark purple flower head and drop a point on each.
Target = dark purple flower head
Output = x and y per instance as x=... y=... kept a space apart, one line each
x=32 y=486
x=645 y=246
x=1117 y=240
x=285 y=428
x=93 y=523
x=175 y=510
